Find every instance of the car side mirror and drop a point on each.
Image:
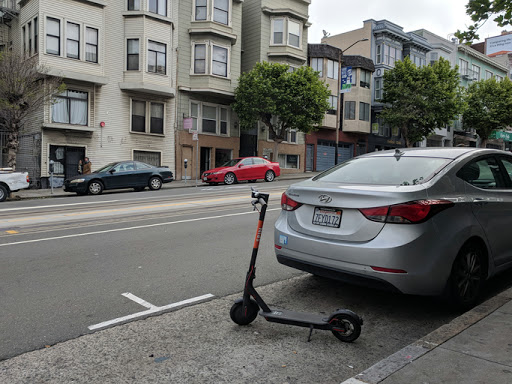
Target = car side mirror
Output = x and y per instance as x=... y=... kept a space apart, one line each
x=112 y=171
x=240 y=165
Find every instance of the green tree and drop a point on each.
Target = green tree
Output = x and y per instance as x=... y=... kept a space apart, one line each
x=420 y=99
x=281 y=99
x=24 y=87
x=489 y=107
x=482 y=10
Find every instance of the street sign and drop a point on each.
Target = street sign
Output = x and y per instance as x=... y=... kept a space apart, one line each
x=187 y=123
x=194 y=136
x=507 y=136
x=346 y=79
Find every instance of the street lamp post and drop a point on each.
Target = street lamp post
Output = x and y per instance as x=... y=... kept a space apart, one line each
x=341 y=97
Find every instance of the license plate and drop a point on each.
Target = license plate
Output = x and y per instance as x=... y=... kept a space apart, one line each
x=327 y=217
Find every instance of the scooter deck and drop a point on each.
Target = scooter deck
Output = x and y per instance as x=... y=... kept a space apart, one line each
x=300 y=319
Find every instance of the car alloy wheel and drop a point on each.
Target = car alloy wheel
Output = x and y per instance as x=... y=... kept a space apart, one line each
x=229 y=178
x=3 y=193
x=155 y=183
x=467 y=276
x=270 y=176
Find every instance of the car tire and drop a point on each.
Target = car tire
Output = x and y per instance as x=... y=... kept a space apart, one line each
x=270 y=176
x=95 y=187
x=230 y=178
x=155 y=183
x=3 y=193
x=467 y=277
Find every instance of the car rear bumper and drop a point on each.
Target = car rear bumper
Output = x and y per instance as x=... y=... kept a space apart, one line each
x=421 y=252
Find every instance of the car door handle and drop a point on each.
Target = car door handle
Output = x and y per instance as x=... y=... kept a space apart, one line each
x=480 y=201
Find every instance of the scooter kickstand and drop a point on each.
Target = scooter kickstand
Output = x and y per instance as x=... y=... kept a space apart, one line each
x=310 y=332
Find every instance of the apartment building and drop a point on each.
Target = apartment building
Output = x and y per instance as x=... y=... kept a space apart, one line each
x=387 y=44
x=353 y=129
x=117 y=60
x=277 y=32
x=208 y=66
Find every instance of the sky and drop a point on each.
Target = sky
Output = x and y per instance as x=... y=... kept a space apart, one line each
x=442 y=17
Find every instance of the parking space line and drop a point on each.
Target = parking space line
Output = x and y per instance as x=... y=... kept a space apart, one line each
x=150 y=311
x=138 y=300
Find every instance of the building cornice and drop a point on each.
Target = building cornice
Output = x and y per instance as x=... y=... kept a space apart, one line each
x=285 y=12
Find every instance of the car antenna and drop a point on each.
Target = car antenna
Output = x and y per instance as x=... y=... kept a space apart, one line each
x=398 y=154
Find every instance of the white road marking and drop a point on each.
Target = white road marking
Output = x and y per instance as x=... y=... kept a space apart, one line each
x=150 y=311
x=138 y=300
x=58 y=205
x=130 y=228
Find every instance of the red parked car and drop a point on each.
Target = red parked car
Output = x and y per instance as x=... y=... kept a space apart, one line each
x=242 y=168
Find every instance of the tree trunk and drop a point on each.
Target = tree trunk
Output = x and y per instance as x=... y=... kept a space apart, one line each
x=405 y=132
x=483 y=143
x=12 y=147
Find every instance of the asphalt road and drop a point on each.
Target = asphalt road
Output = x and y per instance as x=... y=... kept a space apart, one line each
x=70 y=264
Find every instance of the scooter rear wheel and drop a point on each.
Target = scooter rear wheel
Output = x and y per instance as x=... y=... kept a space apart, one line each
x=345 y=327
x=241 y=317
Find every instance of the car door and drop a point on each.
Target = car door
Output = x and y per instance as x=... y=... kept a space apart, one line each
x=143 y=173
x=259 y=168
x=490 y=192
x=244 y=169
x=119 y=176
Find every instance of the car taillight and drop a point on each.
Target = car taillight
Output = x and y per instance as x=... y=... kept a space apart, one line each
x=407 y=213
x=288 y=204
x=28 y=179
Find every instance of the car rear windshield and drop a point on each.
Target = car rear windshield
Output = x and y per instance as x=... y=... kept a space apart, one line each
x=384 y=170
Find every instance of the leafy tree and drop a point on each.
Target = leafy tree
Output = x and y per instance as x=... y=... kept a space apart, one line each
x=281 y=99
x=420 y=99
x=481 y=11
x=24 y=87
x=489 y=107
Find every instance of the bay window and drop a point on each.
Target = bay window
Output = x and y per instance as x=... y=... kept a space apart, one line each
x=209 y=118
x=156 y=57
x=132 y=63
x=210 y=59
x=91 y=45
x=158 y=6
x=286 y=31
x=317 y=65
x=212 y=10
x=52 y=36
x=73 y=41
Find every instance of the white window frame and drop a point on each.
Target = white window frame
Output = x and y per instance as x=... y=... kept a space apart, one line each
x=147 y=151
x=166 y=14
x=209 y=46
x=133 y=54
x=79 y=41
x=285 y=165
x=156 y=63
x=88 y=112
x=476 y=71
x=46 y=34
x=334 y=71
x=498 y=77
x=286 y=37
x=317 y=62
x=488 y=75
x=463 y=67
x=147 y=116
x=210 y=12
x=378 y=88
x=198 y=120
x=333 y=102
x=87 y=43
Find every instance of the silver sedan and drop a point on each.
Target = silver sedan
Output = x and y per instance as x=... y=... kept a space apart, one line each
x=424 y=221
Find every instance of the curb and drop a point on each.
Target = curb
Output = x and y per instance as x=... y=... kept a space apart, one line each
x=391 y=364
x=179 y=184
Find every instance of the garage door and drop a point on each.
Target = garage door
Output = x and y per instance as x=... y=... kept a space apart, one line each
x=325 y=155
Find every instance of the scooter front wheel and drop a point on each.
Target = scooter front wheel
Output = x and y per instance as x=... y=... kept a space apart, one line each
x=241 y=316
x=345 y=327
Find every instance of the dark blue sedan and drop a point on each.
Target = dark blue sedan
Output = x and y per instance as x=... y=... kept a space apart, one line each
x=123 y=174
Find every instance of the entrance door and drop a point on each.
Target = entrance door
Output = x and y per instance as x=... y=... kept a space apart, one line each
x=73 y=155
x=205 y=159
x=310 y=150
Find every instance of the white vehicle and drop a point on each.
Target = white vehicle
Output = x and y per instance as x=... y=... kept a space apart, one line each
x=11 y=181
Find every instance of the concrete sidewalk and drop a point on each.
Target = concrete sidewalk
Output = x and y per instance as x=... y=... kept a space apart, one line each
x=474 y=348
x=59 y=192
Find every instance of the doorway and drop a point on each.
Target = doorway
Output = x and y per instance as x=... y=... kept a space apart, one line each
x=205 y=162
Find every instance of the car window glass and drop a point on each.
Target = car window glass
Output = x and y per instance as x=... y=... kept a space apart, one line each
x=129 y=166
x=484 y=173
x=119 y=168
x=258 y=161
x=384 y=170
x=247 y=162
x=507 y=163
x=142 y=165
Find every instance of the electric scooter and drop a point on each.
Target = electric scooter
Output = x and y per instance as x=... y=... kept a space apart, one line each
x=344 y=324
